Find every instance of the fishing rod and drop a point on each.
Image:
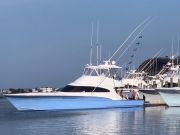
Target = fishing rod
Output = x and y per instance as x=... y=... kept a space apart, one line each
x=154 y=60
x=131 y=43
x=134 y=40
x=147 y=19
x=151 y=60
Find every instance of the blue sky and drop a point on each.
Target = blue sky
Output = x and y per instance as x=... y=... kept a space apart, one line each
x=47 y=42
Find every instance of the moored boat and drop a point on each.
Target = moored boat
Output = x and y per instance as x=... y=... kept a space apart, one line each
x=143 y=82
x=95 y=89
x=99 y=87
x=170 y=95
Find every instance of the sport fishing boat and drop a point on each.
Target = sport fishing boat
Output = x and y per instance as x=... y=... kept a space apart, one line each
x=153 y=82
x=171 y=93
x=96 y=88
x=100 y=86
x=144 y=83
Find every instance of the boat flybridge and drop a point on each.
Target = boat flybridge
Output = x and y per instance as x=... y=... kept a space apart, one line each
x=96 y=88
x=101 y=78
x=135 y=79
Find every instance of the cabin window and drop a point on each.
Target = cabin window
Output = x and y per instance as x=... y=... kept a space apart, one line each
x=70 y=88
x=87 y=71
x=90 y=71
x=107 y=72
x=113 y=71
x=178 y=73
x=171 y=73
x=93 y=73
x=130 y=76
x=104 y=72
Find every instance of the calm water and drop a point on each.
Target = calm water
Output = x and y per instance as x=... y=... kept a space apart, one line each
x=148 y=121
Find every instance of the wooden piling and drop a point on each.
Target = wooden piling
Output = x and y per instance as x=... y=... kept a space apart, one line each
x=178 y=82
x=171 y=82
x=161 y=83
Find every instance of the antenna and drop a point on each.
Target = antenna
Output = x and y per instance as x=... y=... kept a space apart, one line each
x=172 y=49
x=97 y=54
x=91 y=50
x=100 y=52
x=177 y=52
x=97 y=42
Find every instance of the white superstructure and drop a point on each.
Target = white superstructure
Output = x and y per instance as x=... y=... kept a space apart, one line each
x=173 y=75
x=103 y=78
x=135 y=79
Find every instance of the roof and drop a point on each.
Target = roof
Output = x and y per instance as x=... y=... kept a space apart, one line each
x=106 y=65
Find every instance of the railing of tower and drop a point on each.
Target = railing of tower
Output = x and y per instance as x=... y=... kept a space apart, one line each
x=101 y=70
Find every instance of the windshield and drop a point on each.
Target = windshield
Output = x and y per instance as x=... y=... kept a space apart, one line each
x=136 y=76
x=108 y=72
x=90 y=72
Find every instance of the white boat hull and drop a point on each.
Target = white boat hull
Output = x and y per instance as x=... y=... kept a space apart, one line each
x=152 y=97
x=171 y=96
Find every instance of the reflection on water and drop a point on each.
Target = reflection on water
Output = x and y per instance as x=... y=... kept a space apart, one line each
x=151 y=120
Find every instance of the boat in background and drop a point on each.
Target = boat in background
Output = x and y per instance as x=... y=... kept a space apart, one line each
x=97 y=88
x=172 y=77
x=170 y=95
x=135 y=79
x=153 y=82
x=144 y=83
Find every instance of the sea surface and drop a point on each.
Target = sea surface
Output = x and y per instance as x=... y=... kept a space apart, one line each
x=133 y=121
